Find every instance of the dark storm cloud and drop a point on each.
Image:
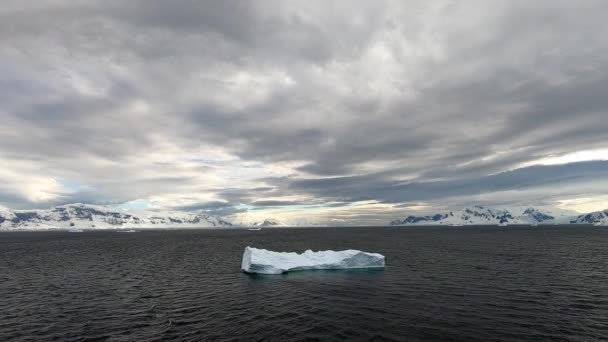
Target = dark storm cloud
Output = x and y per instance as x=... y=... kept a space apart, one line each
x=341 y=101
x=362 y=188
x=271 y=203
x=213 y=208
x=227 y=211
x=204 y=206
x=243 y=196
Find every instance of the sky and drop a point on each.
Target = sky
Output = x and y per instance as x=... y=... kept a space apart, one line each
x=309 y=112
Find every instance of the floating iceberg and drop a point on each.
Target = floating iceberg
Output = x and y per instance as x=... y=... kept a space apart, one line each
x=267 y=262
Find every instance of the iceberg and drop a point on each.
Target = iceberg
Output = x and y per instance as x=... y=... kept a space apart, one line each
x=263 y=261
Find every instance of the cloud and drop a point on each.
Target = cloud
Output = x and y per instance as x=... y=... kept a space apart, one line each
x=204 y=206
x=274 y=203
x=213 y=208
x=362 y=188
x=281 y=105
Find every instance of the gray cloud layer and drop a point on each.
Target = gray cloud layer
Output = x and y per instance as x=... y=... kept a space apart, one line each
x=216 y=105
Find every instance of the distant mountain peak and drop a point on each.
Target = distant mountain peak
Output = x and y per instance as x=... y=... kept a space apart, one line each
x=269 y=222
x=537 y=216
x=529 y=210
x=595 y=218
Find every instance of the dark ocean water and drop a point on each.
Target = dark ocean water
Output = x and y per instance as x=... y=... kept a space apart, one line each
x=452 y=284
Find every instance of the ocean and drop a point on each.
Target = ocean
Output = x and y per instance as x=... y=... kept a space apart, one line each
x=440 y=284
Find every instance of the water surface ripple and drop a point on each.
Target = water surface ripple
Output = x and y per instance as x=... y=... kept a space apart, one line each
x=452 y=284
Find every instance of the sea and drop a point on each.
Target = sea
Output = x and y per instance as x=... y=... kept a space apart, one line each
x=440 y=284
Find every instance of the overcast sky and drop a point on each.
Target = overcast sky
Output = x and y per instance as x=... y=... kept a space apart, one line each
x=347 y=111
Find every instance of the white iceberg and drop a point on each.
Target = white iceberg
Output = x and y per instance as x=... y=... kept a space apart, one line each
x=263 y=261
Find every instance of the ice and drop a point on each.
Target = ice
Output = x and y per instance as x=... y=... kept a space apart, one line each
x=263 y=261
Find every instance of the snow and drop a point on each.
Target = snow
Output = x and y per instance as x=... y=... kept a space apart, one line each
x=599 y=218
x=479 y=215
x=475 y=215
x=6 y=213
x=86 y=216
x=269 y=222
x=263 y=261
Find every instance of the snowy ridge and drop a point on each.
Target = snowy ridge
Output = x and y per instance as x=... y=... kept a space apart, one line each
x=598 y=218
x=269 y=222
x=479 y=215
x=99 y=217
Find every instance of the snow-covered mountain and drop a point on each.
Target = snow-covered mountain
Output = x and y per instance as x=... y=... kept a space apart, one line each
x=599 y=218
x=479 y=215
x=93 y=216
x=535 y=216
x=269 y=222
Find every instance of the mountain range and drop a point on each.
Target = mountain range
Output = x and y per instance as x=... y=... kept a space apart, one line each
x=86 y=216
x=479 y=215
x=93 y=216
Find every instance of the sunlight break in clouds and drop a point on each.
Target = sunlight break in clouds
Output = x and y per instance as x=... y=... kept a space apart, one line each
x=575 y=157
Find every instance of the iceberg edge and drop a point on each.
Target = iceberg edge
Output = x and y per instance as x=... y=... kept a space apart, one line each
x=262 y=261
